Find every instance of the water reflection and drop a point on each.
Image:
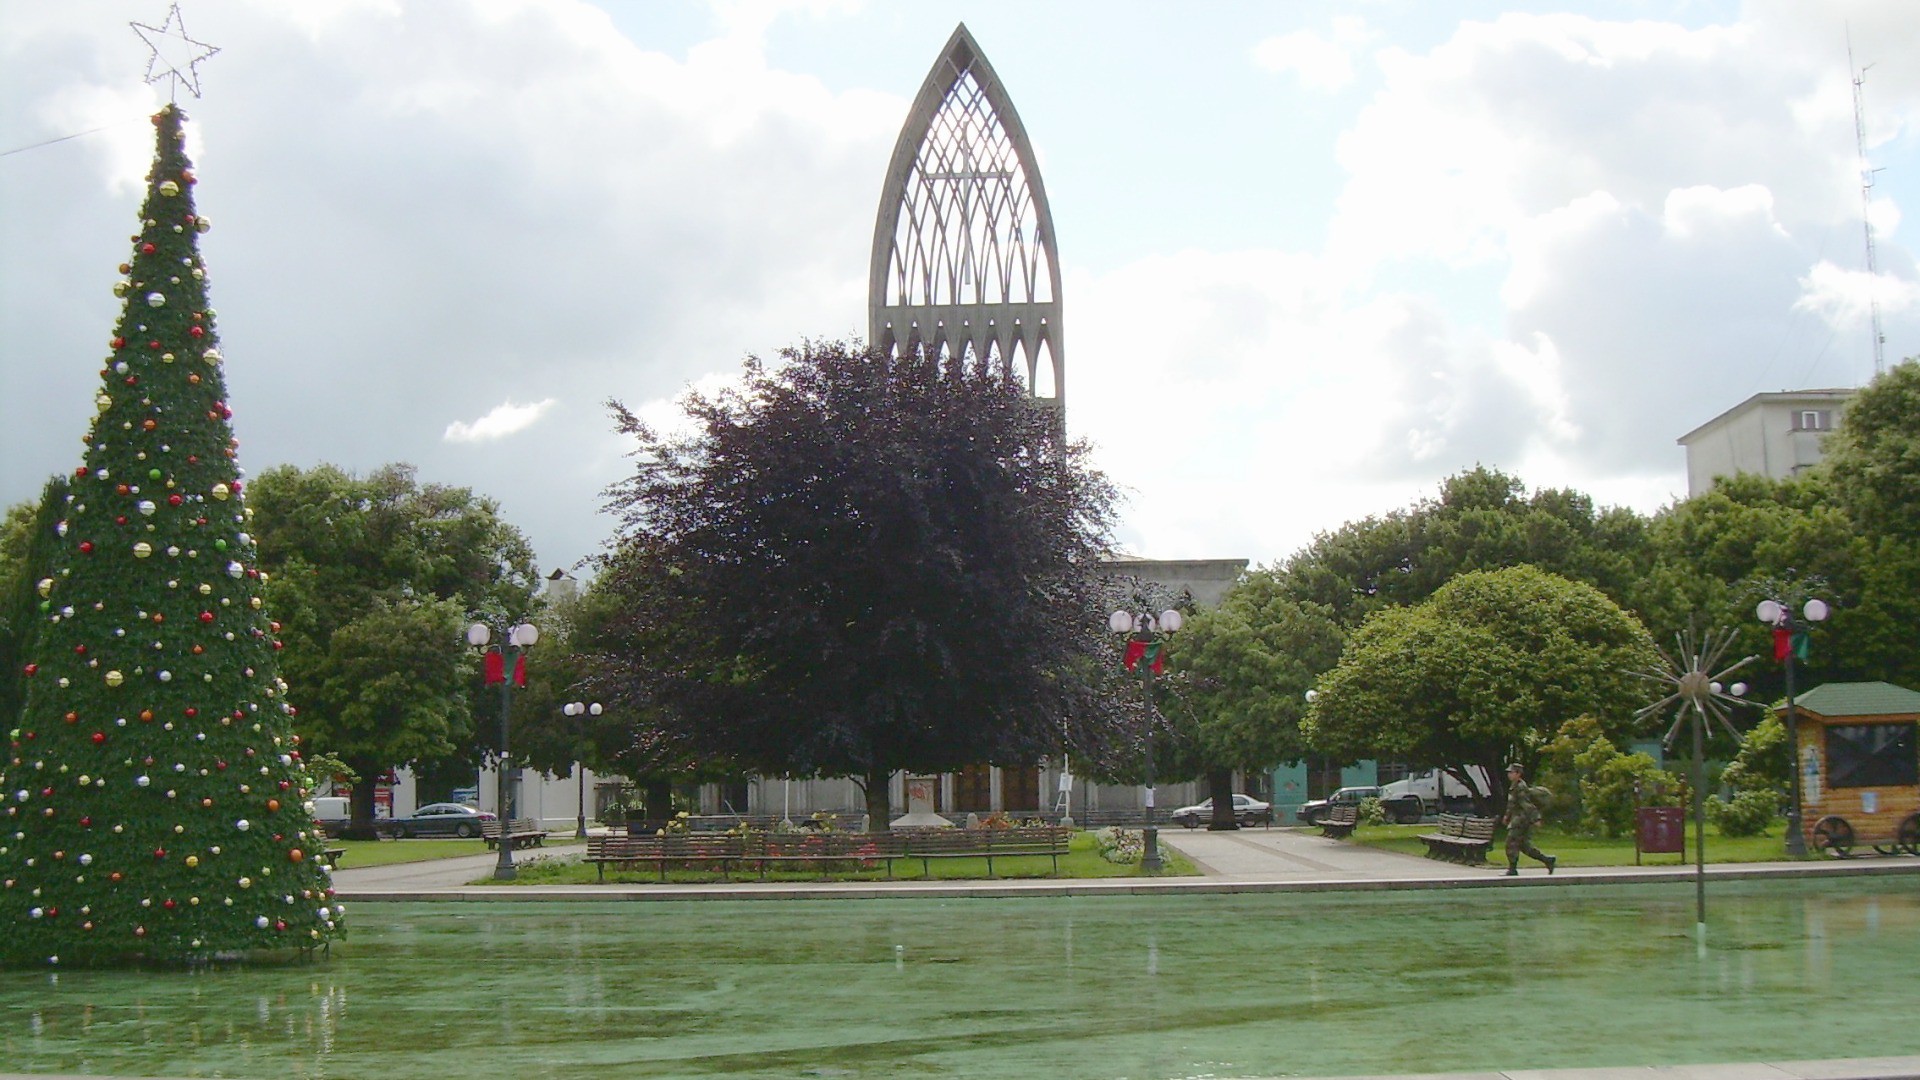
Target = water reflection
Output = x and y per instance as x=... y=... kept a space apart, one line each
x=1260 y=985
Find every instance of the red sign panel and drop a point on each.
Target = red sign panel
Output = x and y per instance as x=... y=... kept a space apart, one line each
x=1661 y=829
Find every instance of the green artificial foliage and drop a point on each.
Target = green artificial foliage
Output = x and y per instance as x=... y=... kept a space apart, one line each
x=155 y=801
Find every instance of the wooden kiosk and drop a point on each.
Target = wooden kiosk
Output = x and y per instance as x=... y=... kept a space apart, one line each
x=1859 y=766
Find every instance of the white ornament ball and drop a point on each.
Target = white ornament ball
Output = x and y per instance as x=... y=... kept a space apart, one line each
x=155 y=299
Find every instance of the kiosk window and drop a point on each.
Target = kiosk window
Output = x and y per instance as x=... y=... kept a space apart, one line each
x=1872 y=755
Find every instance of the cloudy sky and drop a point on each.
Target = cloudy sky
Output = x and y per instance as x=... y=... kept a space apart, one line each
x=1317 y=256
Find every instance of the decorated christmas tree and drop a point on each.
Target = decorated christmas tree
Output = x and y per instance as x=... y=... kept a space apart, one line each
x=155 y=803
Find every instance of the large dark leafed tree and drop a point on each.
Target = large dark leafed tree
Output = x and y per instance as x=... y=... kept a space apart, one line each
x=853 y=566
x=155 y=803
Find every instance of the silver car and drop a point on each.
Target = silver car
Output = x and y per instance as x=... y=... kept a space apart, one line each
x=1246 y=811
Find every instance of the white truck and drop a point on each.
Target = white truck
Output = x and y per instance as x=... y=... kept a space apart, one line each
x=1408 y=800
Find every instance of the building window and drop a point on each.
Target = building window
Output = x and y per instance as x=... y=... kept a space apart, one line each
x=1872 y=755
x=1811 y=420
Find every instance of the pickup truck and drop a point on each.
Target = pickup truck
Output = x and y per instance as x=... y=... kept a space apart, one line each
x=1408 y=800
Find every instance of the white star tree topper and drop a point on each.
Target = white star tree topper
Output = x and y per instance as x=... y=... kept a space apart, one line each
x=175 y=56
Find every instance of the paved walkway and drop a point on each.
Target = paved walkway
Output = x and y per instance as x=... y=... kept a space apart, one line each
x=1248 y=860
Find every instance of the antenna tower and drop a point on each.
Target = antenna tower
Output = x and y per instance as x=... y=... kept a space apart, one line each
x=1866 y=208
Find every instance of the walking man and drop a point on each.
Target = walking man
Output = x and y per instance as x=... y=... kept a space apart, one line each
x=1525 y=804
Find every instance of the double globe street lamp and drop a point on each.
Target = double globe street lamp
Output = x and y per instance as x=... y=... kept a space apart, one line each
x=577 y=708
x=508 y=670
x=1789 y=643
x=1146 y=635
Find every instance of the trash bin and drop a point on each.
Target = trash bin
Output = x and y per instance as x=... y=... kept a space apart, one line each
x=1660 y=830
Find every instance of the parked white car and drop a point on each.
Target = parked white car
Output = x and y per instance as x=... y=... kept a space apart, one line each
x=1246 y=810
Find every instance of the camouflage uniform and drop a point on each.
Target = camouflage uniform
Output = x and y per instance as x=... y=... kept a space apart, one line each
x=1524 y=806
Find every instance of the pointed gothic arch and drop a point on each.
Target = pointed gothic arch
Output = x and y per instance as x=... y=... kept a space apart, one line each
x=964 y=253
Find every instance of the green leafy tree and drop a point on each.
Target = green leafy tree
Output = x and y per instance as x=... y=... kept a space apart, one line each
x=155 y=800
x=630 y=741
x=1488 y=668
x=1720 y=552
x=1249 y=663
x=373 y=579
x=1874 y=457
x=1483 y=519
x=860 y=564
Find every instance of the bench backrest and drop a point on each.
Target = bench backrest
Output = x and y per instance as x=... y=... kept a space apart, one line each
x=491 y=829
x=1346 y=814
x=823 y=845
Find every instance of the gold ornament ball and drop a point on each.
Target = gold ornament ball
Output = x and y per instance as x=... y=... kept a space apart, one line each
x=114 y=678
x=169 y=188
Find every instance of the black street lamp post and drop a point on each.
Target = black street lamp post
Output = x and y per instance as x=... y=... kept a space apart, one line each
x=576 y=708
x=1787 y=630
x=1148 y=631
x=519 y=639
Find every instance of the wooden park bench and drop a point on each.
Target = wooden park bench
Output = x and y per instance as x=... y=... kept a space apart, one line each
x=683 y=849
x=821 y=849
x=929 y=844
x=328 y=855
x=1340 y=821
x=1460 y=839
x=519 y=833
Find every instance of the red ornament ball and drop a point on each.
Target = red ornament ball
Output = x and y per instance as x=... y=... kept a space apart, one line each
x=147 y=249
x=99 y=737
x=86 y=547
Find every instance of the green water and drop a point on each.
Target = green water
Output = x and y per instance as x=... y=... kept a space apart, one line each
x=1136 y=987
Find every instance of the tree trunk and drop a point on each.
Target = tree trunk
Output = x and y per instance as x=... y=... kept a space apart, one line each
x=879 y=800
x=656 y=800
x=1220 y=789
x=360 y=825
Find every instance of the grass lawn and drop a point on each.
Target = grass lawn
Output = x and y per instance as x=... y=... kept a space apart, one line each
x=1574 y=850
x=387 y=852
x=1082 y=861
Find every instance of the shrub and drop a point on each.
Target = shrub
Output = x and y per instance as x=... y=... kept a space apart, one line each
x=1748 y=813
x=1121 y=846
x=1372 y=812
x=1609 y=798
x=1762 y=760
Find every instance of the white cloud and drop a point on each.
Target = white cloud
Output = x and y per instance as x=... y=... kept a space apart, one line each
x=505 y=419
x=1845 y=298
x=1320 y=63
x=1561 y=240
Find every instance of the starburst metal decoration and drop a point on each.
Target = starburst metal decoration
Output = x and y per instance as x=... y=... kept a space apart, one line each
x=1701 y=694
x=175 y=56
x=1697 y=689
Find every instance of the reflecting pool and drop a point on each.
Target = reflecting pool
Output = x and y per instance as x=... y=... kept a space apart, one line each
x=1136 y=987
